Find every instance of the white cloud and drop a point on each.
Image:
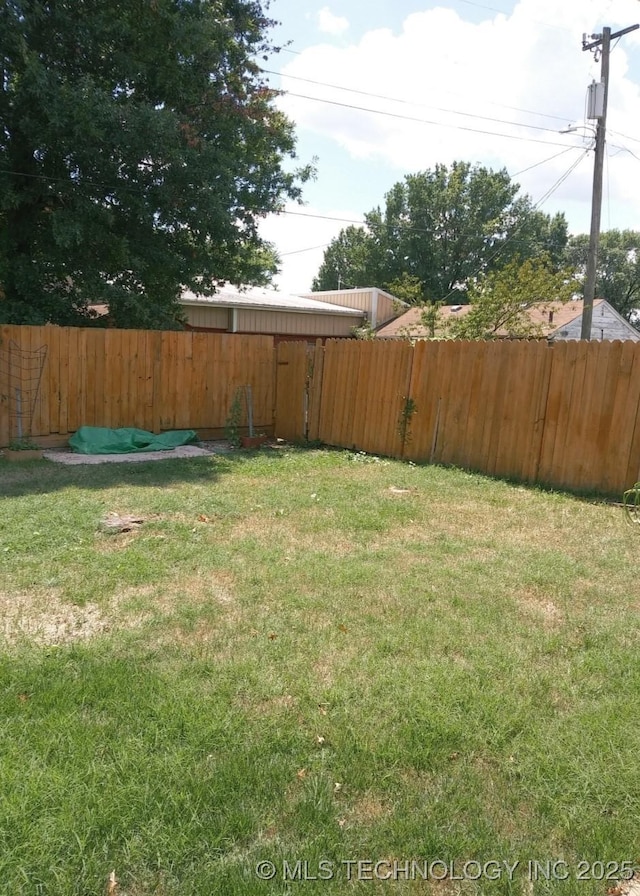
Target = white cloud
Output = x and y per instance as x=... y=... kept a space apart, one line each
x=519 y=78
x=329 y=23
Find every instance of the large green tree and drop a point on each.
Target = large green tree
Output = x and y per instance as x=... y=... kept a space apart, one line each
x=618 y=268
x=444 y=228
x=139 y=147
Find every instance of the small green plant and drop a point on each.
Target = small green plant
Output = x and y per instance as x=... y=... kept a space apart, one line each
x=404 y=421
x=365 y=331
x=631 y=503
x=430 y=317
x=23 y=444
x=232 y=425
x=363 y=457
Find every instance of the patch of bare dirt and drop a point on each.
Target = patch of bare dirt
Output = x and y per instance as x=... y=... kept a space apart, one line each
x=626 y=887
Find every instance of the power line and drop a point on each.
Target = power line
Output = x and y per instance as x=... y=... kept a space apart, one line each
x=119 y=184
x=625 y=136
x=354 y=221
x=324 y=217
x=536 y=205
x=623 y=149
x=543 y=162
x=361 y=223
x=457 y=127
x=510 y=240
x=483 y=6
x=357 y=222
x=393 y=99
x=130 y=188
x=562 y=178
x=300 y=251
x=505 y=12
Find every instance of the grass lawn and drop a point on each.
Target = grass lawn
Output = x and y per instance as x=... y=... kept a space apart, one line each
x=313 y=657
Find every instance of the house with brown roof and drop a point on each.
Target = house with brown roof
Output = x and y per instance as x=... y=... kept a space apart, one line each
x=554 y=321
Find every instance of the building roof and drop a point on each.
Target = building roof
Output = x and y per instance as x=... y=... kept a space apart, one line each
x=553 y=316
x=410 y=323
x=357 y=289
x=265 y=299
x=549 y=316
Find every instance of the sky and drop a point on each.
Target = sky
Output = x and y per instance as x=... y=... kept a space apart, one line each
x=385 y=88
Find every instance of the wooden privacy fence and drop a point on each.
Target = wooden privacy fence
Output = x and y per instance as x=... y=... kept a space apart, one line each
x=564 y=415
x=55 y=379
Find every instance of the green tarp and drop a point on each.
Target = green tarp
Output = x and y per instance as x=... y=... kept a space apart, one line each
x=99 y=440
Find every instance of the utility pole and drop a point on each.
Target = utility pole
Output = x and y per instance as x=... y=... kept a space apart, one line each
x=604 y=41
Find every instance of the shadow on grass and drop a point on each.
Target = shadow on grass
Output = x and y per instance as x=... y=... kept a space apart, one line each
x=44 y=476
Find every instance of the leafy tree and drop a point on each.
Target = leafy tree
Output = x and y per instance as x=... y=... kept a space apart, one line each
x=407 y=288
x=501 y=299
x=348 y=261
x=618 y=268
x=445 y=227
x=139 y=147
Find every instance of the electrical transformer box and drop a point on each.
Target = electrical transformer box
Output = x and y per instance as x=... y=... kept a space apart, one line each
x=595 y=100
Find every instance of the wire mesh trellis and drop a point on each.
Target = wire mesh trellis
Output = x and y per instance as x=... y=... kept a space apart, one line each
x=20 y=381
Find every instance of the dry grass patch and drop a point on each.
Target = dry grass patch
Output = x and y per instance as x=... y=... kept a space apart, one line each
x=337 y=660
x=266 y=706
x=324 y=671
x=260 y=526
x=367 y=810
x=197 y=592
x=520 y=525
x=539 y=608
x=42 y=618
x=441 y=522
x=293 y=534
x=442 y=887
x=333 y=542
x=208 y=586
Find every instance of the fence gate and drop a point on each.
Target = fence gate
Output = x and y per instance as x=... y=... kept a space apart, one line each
x=298 y=386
